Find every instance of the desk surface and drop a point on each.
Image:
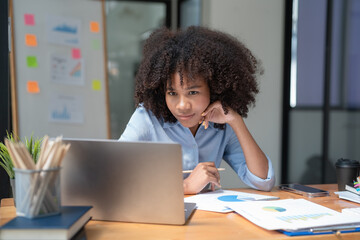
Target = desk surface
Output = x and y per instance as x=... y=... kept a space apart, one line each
x=202 y=224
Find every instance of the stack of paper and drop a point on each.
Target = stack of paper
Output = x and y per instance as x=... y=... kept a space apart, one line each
x=355 y=211
x=351 y=194
x=292 y=214
x=352 y=189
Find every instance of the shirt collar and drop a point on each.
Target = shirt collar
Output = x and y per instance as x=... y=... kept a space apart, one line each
x=169 y=124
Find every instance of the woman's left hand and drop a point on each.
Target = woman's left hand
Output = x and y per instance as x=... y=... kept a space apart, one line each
x=215 y=113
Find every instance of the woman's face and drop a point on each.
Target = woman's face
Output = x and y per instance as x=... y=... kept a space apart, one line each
x=188 y=101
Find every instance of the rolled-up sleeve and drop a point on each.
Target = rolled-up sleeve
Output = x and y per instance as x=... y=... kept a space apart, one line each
x=258 y=183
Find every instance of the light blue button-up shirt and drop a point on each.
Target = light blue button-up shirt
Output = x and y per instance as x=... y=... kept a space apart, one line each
x=208 y=145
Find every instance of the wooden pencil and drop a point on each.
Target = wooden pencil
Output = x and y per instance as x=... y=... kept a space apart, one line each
x=190 y=171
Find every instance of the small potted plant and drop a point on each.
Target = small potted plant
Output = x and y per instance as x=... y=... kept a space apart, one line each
x=32 y=145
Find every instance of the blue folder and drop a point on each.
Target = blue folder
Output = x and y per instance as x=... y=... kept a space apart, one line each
x=303 y=233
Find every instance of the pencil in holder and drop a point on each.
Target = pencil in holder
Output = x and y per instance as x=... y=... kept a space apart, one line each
x=37 y=192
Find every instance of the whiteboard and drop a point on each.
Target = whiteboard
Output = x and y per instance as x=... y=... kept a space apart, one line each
x=59 y=79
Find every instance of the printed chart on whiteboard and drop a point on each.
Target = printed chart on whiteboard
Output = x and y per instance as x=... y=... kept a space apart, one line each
x=63 y=30
x=66 y=109
x=66 y=70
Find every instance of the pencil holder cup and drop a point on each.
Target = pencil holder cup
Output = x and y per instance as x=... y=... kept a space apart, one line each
x=37 y=192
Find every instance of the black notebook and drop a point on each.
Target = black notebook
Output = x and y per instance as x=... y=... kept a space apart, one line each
x=61 y=226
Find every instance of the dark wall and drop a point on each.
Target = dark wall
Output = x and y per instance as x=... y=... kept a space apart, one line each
x=4 y=90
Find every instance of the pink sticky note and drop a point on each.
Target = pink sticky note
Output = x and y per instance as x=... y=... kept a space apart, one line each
x=29 y=19
x=76 y=53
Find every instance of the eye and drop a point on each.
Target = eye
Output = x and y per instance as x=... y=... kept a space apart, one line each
x=193 y=92
x=172 y=93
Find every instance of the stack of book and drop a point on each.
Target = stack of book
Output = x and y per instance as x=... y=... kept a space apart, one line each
x=66 y=225
x=351 y=194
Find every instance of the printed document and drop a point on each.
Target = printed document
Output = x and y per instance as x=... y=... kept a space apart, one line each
x=290 y=214
x=216 y=201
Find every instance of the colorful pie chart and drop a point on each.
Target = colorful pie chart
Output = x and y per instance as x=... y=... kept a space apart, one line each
x=229 y=198
x=274 y=209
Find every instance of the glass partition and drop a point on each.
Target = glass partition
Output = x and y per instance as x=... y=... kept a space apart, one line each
x=306 y=117
x=128 y=24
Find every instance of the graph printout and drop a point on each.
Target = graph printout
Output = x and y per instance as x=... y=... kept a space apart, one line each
x=213 y=201
x=216 y=201
x=66 y=70
x=66 y=109
x=63 y=30
x=290 y=214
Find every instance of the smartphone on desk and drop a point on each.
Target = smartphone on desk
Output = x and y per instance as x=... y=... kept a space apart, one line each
x=303 y=190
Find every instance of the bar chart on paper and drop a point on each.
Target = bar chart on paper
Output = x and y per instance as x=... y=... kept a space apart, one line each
x=304 y=217
x=291 y=218
x=66 y=109
x=61 y=115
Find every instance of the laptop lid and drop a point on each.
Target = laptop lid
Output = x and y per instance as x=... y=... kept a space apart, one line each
x=125 y=181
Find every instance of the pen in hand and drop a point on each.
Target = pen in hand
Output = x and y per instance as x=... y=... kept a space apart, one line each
x=190 y=171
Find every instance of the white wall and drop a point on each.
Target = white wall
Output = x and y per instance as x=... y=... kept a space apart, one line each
x=260 y=25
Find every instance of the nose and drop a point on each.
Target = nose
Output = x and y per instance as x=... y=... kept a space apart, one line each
x=184 y=104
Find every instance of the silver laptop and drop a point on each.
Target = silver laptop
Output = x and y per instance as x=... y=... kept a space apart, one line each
x=126 y=181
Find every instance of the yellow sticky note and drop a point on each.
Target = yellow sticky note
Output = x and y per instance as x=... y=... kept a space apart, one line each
x=33 y=87
x=94 y=27
x=96 y=85
x=30 y=40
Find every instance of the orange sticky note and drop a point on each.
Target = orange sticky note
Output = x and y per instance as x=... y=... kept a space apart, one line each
x=29 y=19
x=33 y=87
x=76 y=53
x=30 y=40
x=94 y=27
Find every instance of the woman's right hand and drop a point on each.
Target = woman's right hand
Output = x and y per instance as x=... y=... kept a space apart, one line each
x=203 y=173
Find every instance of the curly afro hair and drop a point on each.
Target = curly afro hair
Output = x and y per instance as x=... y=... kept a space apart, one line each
x=221 y=60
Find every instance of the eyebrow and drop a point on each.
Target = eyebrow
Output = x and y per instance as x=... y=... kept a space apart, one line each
x=189 y=88
x=192 y=87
